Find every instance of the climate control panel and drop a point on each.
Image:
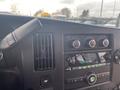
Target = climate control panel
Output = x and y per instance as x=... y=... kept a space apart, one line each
x=85 y=42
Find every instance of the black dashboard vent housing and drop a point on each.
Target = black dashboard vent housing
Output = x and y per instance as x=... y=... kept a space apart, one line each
x=43 y=51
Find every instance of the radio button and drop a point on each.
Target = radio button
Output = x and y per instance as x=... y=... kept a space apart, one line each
x=80 y=59
x=84 y=67
x=71 y=60
x=68 y=69
x=89 y=66
x=117 y=56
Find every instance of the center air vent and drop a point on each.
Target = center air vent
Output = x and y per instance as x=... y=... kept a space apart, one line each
x=43 y=51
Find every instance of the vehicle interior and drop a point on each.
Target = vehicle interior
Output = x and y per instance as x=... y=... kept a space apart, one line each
x=42 y=53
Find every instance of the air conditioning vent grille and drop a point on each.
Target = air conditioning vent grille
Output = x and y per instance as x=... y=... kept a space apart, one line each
x=43 y=51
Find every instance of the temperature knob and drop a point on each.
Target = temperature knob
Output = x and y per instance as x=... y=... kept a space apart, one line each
x=105 y=42
x=76 y=44
x=91 y=79
x=92 y=43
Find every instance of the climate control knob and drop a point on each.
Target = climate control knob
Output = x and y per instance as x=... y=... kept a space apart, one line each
x=91 y=79
x=92 y=43
x=76 y=44
x=105 y=42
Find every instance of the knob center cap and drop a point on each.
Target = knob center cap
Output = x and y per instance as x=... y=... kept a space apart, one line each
x=76 y=44
x=92 y=43
x=91 y=79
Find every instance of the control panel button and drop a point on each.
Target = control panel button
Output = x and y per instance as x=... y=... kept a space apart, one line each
x=74 y=80
x=76 y=44
x=108 y=57
x=103 y=57
x=45 y=82
x=92 y=43
x=80 y=59
x=71 y=60
x=117 y=56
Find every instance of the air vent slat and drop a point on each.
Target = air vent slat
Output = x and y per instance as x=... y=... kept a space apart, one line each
x=48 y=43
x=43 y=51
x=51 y=52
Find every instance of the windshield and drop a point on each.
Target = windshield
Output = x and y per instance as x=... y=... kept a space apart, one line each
x=94 y=12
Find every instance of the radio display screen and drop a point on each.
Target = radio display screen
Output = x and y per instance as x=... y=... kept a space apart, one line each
x=90 y=58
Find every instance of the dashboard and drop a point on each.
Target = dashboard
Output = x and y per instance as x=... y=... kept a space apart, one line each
x=60 y=55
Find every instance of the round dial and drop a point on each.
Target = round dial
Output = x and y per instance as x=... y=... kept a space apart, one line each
x=105 y=42
x=91 y=79
x=76 y=44
x=92 y=43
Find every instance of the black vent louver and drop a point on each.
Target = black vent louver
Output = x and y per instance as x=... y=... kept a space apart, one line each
x=43 y=51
